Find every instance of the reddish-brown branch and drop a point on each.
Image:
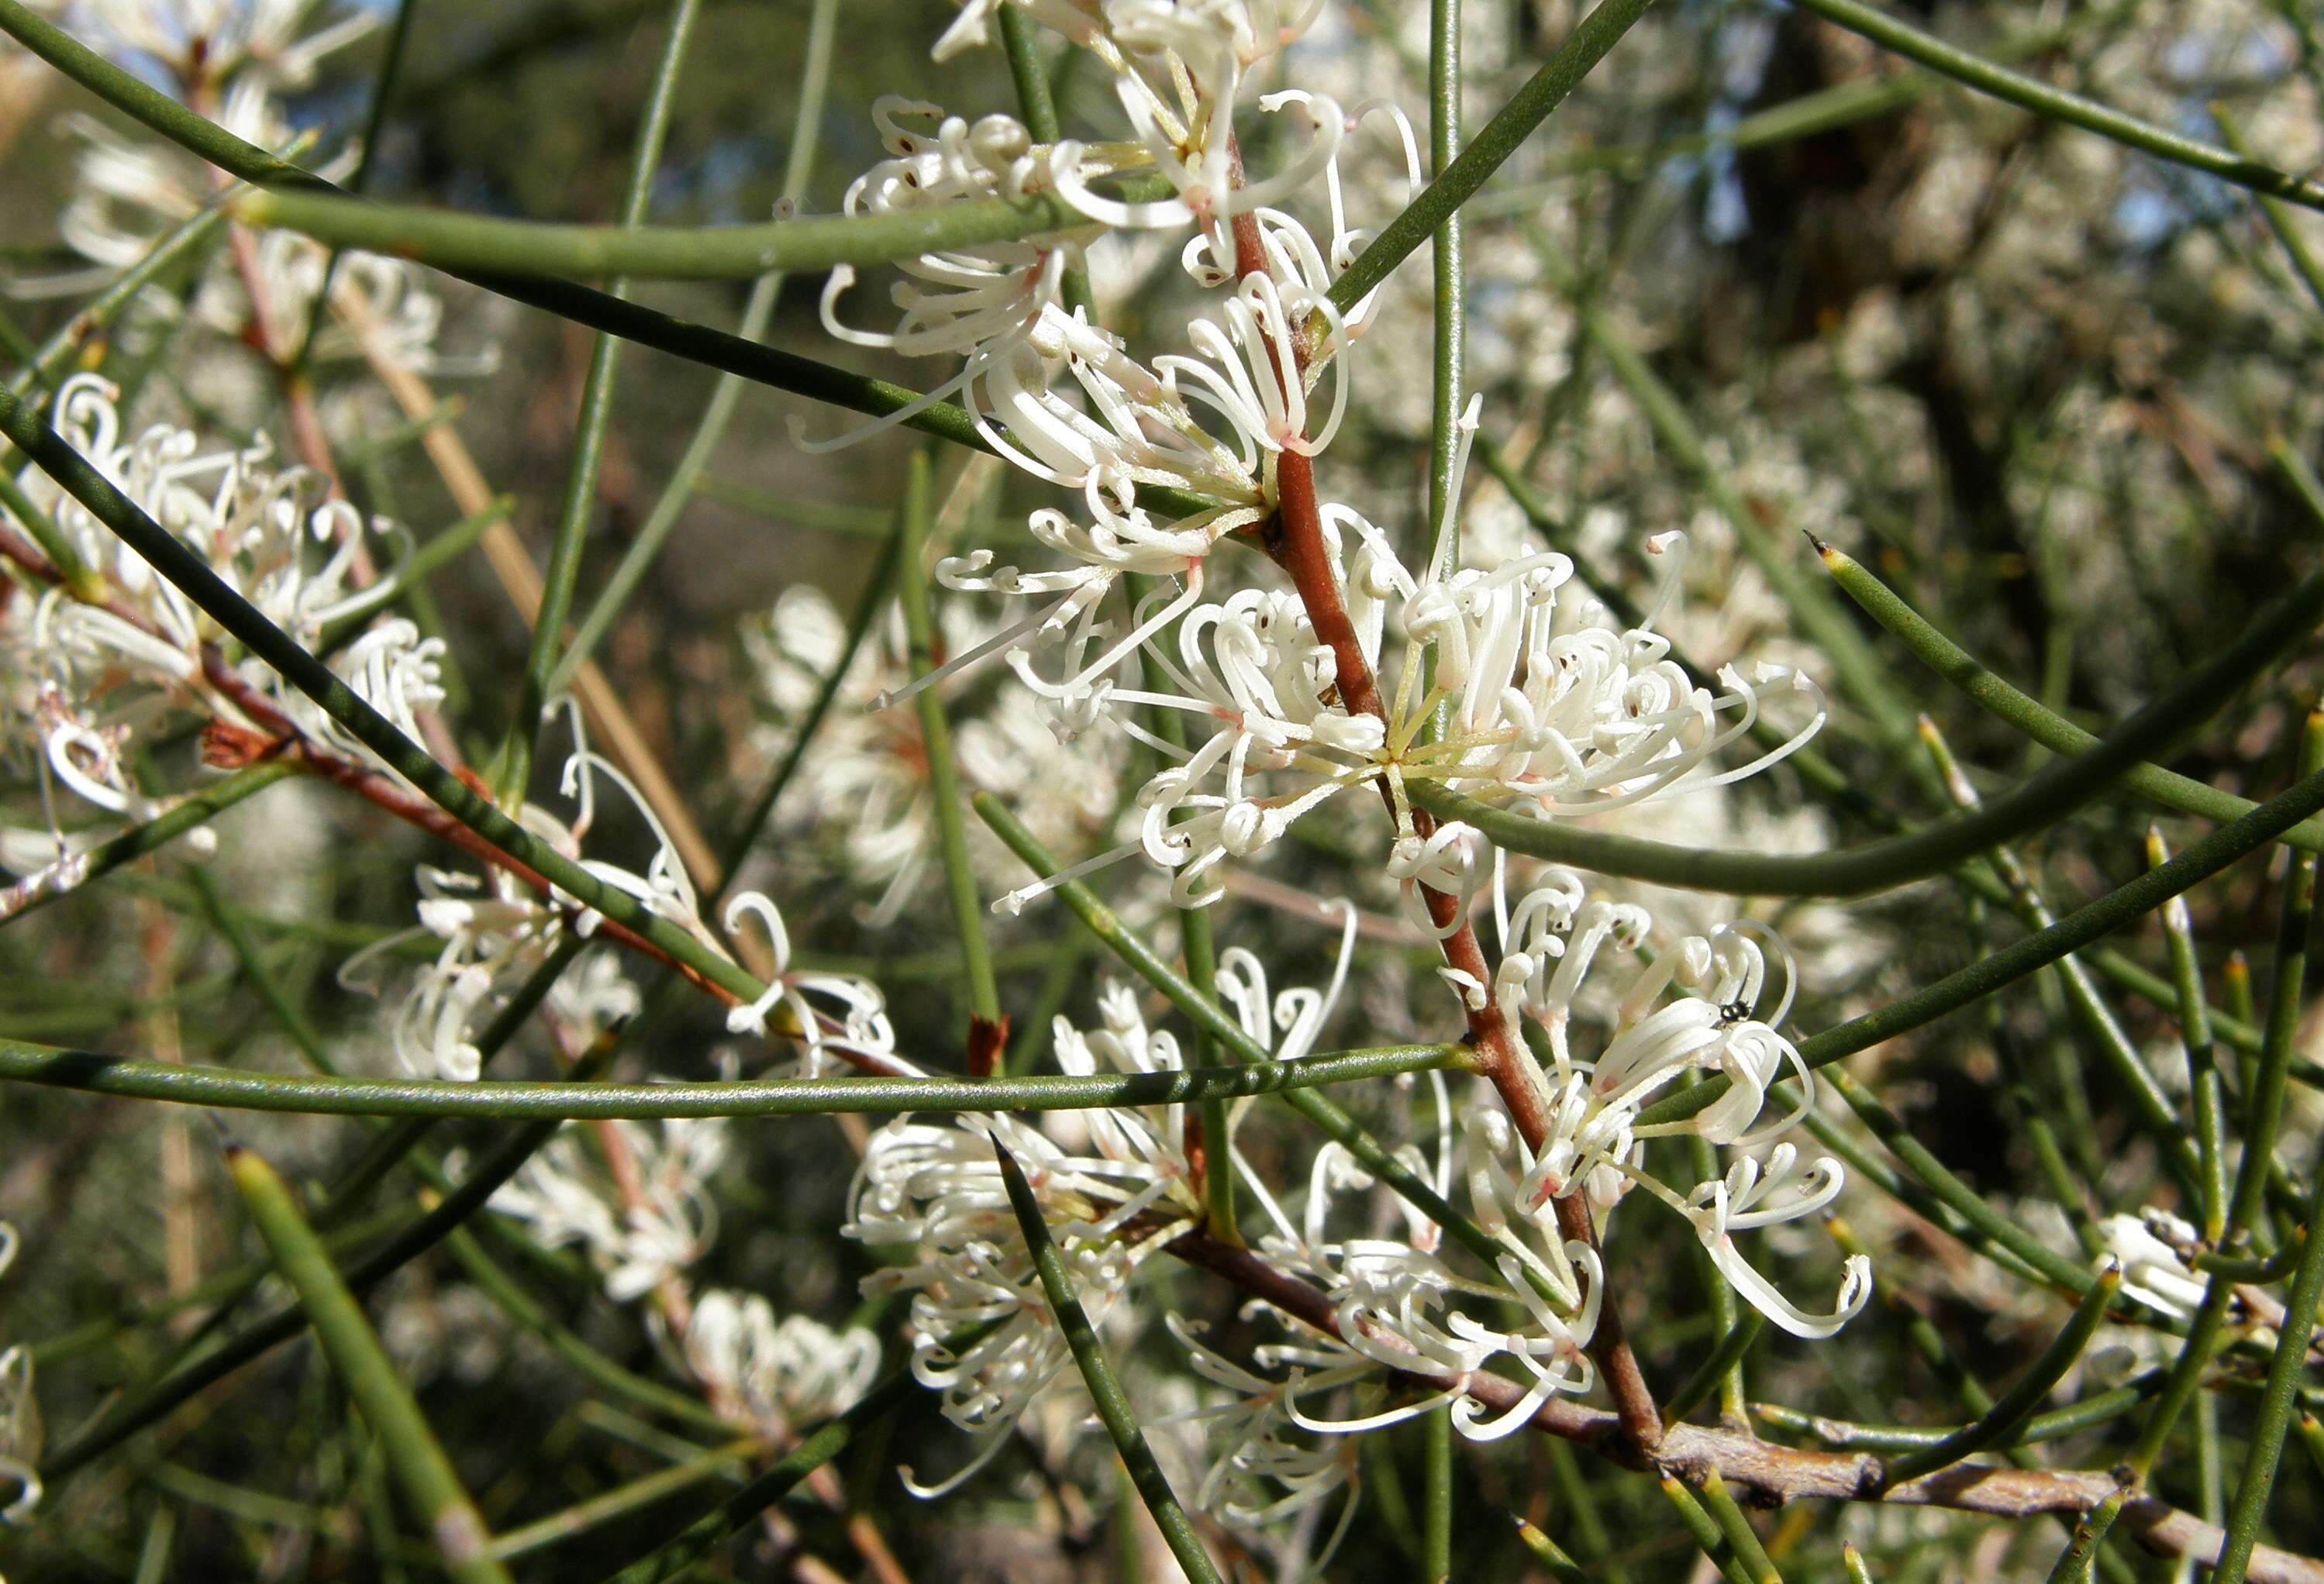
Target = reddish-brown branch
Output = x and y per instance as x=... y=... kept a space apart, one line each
x=1295 y=538
x=1768 y=1472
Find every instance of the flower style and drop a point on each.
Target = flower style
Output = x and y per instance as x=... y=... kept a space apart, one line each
x=634 y=1198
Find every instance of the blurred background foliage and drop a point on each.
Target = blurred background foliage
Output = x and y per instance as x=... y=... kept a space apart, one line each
x=2028 y=377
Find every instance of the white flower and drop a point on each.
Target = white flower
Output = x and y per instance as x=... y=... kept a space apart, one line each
x=20 y=1414
x=842 y=1012
x=1115 y=1185
x=1693 y=1010
x=792 y=1371
x=635 y=1198
x=2154 y=1269
x=1756 y=1193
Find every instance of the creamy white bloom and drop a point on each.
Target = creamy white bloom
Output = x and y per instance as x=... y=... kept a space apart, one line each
x=2154 y=1270
x=20 y=1414
x=793 y=1371
x=1694 y=1009
x=1115 y=1185
x=635 y=1198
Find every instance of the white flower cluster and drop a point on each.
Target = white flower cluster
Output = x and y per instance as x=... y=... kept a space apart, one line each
x=236 y=60
x=1117 y=1185
x=1381 y=672
x=1541 y=712
x=864 y=789
x=638 y=1201
x=84 y=670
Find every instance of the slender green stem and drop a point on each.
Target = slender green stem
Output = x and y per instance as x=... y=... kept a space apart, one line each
x=431 y=1486
x=1733 y=1344
x=2076 y=930
x=2057 y=105
x=1436 y=1494
x=1450 y=281
x=590 y=427
x=238 y=1089
x=1494 y=142
x=1704 y=1531
x=2076 y=1562
x=1735 y=1528
x=1851 y=1562
x=582 y=1517
x=2073 y=1419
x=68 y=875
x=2264 y=1272
x=462 y=243
x=378 y=445
x=2026 y=713
x=806 y=127
x=935 y=738
x=2018 y=1404
x=2205 y=1089
x=1113 y=1406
